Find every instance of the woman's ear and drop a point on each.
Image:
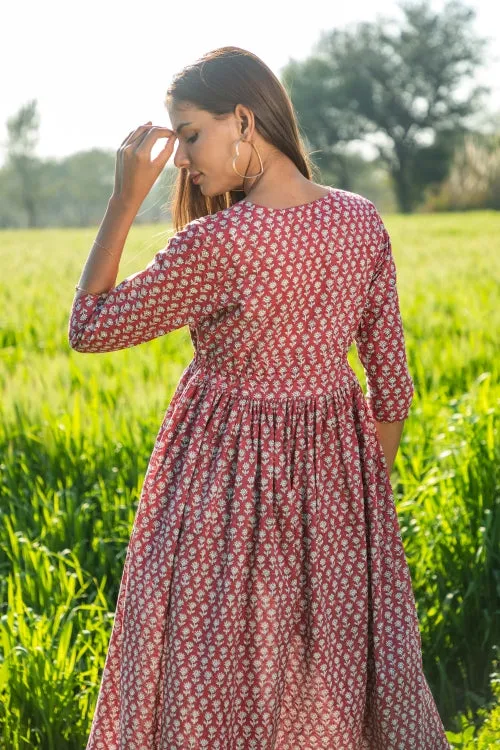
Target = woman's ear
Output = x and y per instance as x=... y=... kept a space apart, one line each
x=246 y=119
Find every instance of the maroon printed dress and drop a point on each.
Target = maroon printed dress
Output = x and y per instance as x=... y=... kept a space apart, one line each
x=266 y=601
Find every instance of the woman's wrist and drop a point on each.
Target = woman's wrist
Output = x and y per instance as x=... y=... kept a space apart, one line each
x=389 y=434
x=101 y=269
x=118 y=206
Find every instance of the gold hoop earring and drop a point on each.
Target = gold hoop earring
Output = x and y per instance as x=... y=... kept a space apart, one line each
x=247 y=176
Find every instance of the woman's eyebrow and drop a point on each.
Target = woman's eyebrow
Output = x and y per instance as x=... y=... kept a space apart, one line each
x=182 y=125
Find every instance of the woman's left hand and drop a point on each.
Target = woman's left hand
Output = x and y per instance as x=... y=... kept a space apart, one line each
x=135 y=172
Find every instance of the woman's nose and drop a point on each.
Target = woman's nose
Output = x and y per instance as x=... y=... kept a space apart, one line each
x=180 y=159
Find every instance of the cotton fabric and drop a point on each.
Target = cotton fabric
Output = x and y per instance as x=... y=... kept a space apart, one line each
x=266 y=602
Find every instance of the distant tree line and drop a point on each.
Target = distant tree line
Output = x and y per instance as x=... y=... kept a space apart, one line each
x=72 y=191
x=405 y=87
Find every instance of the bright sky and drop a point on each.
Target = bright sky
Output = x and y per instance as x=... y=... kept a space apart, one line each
x=100 y=69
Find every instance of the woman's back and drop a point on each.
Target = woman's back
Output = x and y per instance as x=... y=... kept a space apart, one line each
x=266 y=599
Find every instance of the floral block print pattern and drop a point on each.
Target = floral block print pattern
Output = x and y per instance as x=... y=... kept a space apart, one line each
x=266 y=602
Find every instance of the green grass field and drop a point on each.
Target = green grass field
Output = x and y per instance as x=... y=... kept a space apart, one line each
x=77 y=431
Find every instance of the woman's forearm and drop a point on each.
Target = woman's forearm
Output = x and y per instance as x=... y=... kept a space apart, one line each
x=102 y=265
x=389 y=434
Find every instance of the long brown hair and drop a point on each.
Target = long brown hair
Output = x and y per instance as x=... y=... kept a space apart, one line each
x=217 y=82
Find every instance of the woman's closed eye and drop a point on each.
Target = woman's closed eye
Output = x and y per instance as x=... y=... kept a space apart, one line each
x=193 y=138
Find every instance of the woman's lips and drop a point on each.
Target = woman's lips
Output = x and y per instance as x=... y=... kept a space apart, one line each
x=196 y=178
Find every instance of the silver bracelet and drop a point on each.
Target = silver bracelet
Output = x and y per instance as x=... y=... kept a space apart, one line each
x=80 y=288
x=104 y=248
x=94 y=294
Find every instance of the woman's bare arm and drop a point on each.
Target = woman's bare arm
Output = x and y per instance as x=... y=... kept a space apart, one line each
x=389 y=434
x=101 y=268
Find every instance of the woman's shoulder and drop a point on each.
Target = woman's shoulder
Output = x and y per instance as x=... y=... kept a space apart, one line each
x=354 y=199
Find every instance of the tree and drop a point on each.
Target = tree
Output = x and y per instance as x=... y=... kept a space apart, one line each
x=393 y=85
x=473 y=181
x=22 y=131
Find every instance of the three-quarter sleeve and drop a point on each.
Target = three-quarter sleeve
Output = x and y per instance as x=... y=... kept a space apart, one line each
x=179 y=287
x=380 y=341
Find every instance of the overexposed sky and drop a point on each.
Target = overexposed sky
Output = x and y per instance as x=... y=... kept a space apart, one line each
x=100 y=69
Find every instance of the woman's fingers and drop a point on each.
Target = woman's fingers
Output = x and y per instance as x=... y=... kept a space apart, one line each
x=126 y=139
x=152 y=136
x=139 y=135
x=134 y=133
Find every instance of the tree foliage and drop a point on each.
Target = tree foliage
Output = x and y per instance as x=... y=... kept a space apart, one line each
x=23 y=166
x=473 y=181
x=396 y=85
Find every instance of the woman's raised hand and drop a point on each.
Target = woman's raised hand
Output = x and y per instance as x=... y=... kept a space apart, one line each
x=135 y=172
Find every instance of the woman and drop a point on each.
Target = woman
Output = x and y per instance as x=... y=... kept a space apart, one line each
x=266 y=601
